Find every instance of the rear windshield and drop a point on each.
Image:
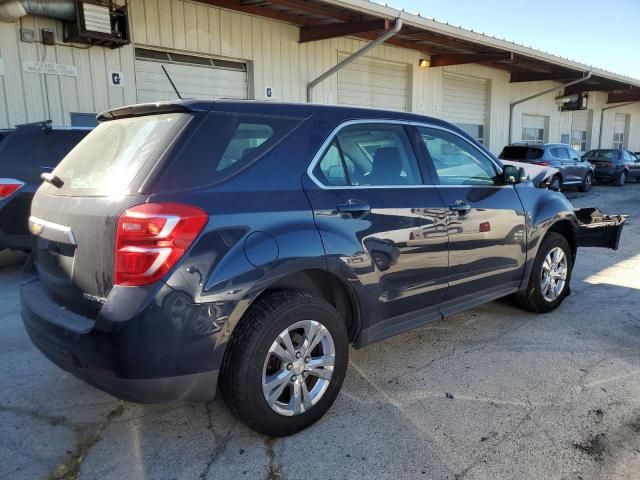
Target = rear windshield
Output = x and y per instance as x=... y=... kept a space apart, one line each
x=521 y=153
x=107 y=161
x=32 y=150
x=608 y=155
x=223 y=145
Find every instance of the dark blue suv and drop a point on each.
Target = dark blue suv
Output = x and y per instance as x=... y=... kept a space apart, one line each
x=189 y=245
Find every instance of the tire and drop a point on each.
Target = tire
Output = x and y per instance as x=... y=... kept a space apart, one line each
x=534 y=298
x=248 y=363
x=586 y=182
x=638 y=179
x=621 y=179
x=556 y=183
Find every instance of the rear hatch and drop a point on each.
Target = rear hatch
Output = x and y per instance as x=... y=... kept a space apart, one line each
x=522 y=153
x=76 y=222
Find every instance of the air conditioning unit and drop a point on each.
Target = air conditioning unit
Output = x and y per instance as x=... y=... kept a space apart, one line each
x=576 y=101
x=98 y=22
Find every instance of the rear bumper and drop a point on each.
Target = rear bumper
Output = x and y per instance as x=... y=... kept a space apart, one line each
x=606 y=173
x=124 y=362
x=597 y=229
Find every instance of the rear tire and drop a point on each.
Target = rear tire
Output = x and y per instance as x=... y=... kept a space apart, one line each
x=621 y=179
x=586 y=182
x=538 y=296
x=267 y=363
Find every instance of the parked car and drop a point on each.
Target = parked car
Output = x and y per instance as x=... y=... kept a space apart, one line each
x=26 y=153
x=185 y=245
x=572 y=170
x=614 y=165
x=4 y=133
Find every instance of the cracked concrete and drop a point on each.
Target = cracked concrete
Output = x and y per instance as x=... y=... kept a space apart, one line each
x=494 y=393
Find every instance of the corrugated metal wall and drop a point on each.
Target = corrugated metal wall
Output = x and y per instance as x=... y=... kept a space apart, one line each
x=275 y=60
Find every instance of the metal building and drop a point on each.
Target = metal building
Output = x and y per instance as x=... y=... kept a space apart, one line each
x=57 y=61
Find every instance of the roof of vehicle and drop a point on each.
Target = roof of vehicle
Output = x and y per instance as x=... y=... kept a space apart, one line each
x=47 y=125
x=298 y=110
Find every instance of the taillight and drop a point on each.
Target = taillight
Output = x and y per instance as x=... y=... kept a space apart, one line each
x=151 y=238
x=9 y=186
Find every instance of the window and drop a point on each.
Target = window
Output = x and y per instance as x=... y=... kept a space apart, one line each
x=246 y=139
x=579 y=140
x=79 y=119
x=618 y=141
x=521 y=153
x=369 y=155
x=533 y=135
x=455 y=161
x=475 y=131
x=534 y=128
x=560 y=152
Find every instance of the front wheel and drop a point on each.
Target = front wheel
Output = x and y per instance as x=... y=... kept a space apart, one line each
x=550 y=276
x=621 y=179
x=285 y=363
x=586 y=182
x=556 y=183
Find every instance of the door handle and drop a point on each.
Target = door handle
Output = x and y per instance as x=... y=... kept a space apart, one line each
x=354 y=208
x=460 y=207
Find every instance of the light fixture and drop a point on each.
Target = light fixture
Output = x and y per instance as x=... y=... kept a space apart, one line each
x=424 y=63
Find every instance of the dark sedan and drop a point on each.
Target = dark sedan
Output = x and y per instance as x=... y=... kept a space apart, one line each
x=614 y=165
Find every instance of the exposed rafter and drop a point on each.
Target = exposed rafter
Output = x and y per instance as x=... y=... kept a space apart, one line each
x=538 y=77
x=624 y=96
x=312 y=8
x=459 y=59
x=322 y=32
x=255 y=9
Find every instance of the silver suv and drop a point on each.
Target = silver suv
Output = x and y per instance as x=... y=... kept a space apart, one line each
x=573 y=170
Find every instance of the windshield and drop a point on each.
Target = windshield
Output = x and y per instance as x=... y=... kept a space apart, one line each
x=521 y=153
x=609 y=155
x=107 y=161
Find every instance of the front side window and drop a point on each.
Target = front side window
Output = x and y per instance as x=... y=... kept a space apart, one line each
x=371 y=154
x=455 y=161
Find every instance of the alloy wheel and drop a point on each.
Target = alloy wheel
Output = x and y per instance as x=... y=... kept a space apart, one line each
x=553 y=276
x=298 y=368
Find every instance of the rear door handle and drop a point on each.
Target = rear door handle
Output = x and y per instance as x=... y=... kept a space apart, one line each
x=354 y=208
x=460 y=207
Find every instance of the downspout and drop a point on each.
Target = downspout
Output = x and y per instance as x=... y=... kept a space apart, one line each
x=602 y=118
x=381 y=39
x=518 y=102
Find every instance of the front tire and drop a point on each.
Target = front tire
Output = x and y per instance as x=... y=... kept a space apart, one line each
x=556 y=183
x=550 y=277
x=586 y=182
x=285 y=363
x=621 y=179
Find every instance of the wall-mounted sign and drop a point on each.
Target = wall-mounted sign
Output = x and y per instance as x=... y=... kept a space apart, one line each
x=1 y=67
x=45 y=68
x=116 y=79
x=268 y=92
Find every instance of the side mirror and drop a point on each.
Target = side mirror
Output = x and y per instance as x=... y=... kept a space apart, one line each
x=512 y=174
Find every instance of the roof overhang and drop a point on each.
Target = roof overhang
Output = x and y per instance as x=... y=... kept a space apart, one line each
x=445 y=44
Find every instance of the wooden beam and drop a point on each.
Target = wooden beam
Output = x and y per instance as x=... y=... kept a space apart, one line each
x=254 y=9
x=332 y=30
x=312 y=8
x=628 y=96
x=441 y=41
x=538 y=77
x=454 y=59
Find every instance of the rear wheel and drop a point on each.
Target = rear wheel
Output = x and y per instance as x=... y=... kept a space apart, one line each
x=285 y=363
x=586 y=182
x=621 y=179
x=550 y=276
x=556 y=183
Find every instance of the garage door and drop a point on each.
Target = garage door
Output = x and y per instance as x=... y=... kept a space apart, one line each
x=373 y=83
x=464 y=103
x=196 y=77
x=580 y=130
x=620 y=130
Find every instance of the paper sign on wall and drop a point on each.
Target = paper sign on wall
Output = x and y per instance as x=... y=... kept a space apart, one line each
x=46 y=68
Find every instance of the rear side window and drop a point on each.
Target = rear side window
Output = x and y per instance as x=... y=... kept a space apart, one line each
x=560 y=152
x=223 y=145
x=107 y=161
x=521 y=153
x=369 y=155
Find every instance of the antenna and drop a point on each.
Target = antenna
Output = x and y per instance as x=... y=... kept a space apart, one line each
x=171 y=82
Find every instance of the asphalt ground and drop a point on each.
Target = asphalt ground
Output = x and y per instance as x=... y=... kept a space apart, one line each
x=493 y=393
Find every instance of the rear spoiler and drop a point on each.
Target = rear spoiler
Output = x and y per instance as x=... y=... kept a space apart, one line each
x=155 y=108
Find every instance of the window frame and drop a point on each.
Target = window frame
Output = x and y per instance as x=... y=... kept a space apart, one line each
x=412 y=133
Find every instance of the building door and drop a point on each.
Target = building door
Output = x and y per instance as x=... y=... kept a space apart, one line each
x=366 y=82
x=620 y=131
x=580 y=131
x=534 y=128
x=201 y=78
x=465 y=104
